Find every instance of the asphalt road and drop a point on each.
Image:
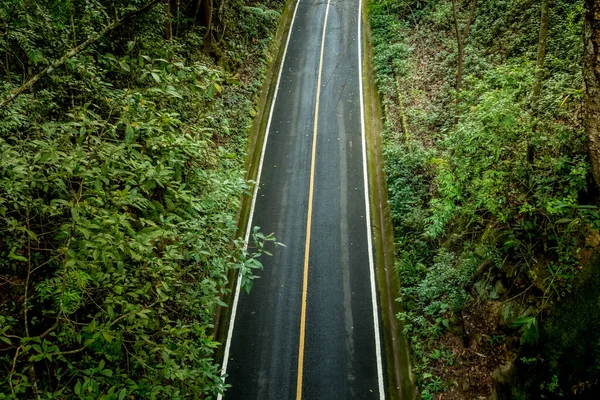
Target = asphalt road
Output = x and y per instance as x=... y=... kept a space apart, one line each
x=330 y=349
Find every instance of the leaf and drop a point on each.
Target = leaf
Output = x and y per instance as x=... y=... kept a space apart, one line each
x=530 y=333
x=155 y=76
x=78 y=388
x=129 y=134
x=107 y=336
x=17 y=257
x=124 y=66
x=173 y=93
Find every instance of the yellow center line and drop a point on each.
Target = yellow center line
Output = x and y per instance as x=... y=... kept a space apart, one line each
x=309 y=217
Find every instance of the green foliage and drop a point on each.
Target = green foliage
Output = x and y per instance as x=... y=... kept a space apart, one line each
x=567 y=361
x=529 y=327
x=465 y=199
x=120 y=181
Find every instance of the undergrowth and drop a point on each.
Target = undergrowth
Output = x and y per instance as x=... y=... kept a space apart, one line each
x=475 y=218
x=120 y=181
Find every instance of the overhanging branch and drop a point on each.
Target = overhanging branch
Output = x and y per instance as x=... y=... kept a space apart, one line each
x=74 y=51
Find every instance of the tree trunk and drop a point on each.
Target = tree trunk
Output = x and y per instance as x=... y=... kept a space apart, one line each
x=591 y=78
x=206 y=12
x=541 y=54
x=461 y=37
x=459 y=41
x=539 y=72
x=168 y=22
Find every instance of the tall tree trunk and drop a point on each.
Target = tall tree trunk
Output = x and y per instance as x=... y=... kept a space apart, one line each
x=206 y=11
x=461 y=51
x=461 y=37
x=541 y=55
x=168 y=32
x=539 y=72
x=591 y=77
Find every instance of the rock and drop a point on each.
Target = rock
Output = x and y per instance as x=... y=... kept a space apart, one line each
x=593 y=239
x=465 y=385
x=504 y=373
x=500 y=288
x=494 y=395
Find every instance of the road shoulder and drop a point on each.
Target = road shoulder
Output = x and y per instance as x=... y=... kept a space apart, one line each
x=256 y=138
x=400 y=377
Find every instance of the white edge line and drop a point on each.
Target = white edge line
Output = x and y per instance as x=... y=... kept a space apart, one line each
x=368 y=211
x=236 y=294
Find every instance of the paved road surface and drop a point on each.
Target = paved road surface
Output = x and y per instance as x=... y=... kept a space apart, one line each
x=313 y=161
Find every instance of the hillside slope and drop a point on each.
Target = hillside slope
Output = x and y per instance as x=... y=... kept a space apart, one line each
x=122 y=141
x=494 y=209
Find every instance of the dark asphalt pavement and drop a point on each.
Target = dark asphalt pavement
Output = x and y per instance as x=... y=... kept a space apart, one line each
x=340 y=348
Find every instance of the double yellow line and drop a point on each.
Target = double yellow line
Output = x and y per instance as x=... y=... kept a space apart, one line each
x=309 y=217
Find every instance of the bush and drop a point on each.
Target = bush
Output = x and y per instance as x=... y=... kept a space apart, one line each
x=121 y=175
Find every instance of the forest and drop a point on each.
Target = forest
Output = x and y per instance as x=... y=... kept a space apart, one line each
x=123 y=129
x=491 y=157
x=123 y=137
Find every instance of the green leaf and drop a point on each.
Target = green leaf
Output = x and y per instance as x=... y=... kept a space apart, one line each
x=129 y=134
x=155 y=76
x=17 y=257
x=78 y=388
x=107 y=336
x=124 y=66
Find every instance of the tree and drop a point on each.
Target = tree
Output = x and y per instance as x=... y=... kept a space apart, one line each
x=75 y=51
x=206 y=20
x=541 y=54
x=461 y=37
x=168 y=20
x=591 y=77
x=539 y=70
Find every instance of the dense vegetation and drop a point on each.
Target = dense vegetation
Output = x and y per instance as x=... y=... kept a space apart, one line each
x=122 y=143
x=491 y=194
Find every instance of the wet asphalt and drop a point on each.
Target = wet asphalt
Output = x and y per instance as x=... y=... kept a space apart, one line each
x=340 y=352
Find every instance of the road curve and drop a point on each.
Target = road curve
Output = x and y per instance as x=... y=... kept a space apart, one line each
x=309 y=328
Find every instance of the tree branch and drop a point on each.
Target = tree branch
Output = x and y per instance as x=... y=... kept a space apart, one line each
x=76 y=50
x=467 y=26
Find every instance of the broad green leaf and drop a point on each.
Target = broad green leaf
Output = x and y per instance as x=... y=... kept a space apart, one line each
x=124 y=66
